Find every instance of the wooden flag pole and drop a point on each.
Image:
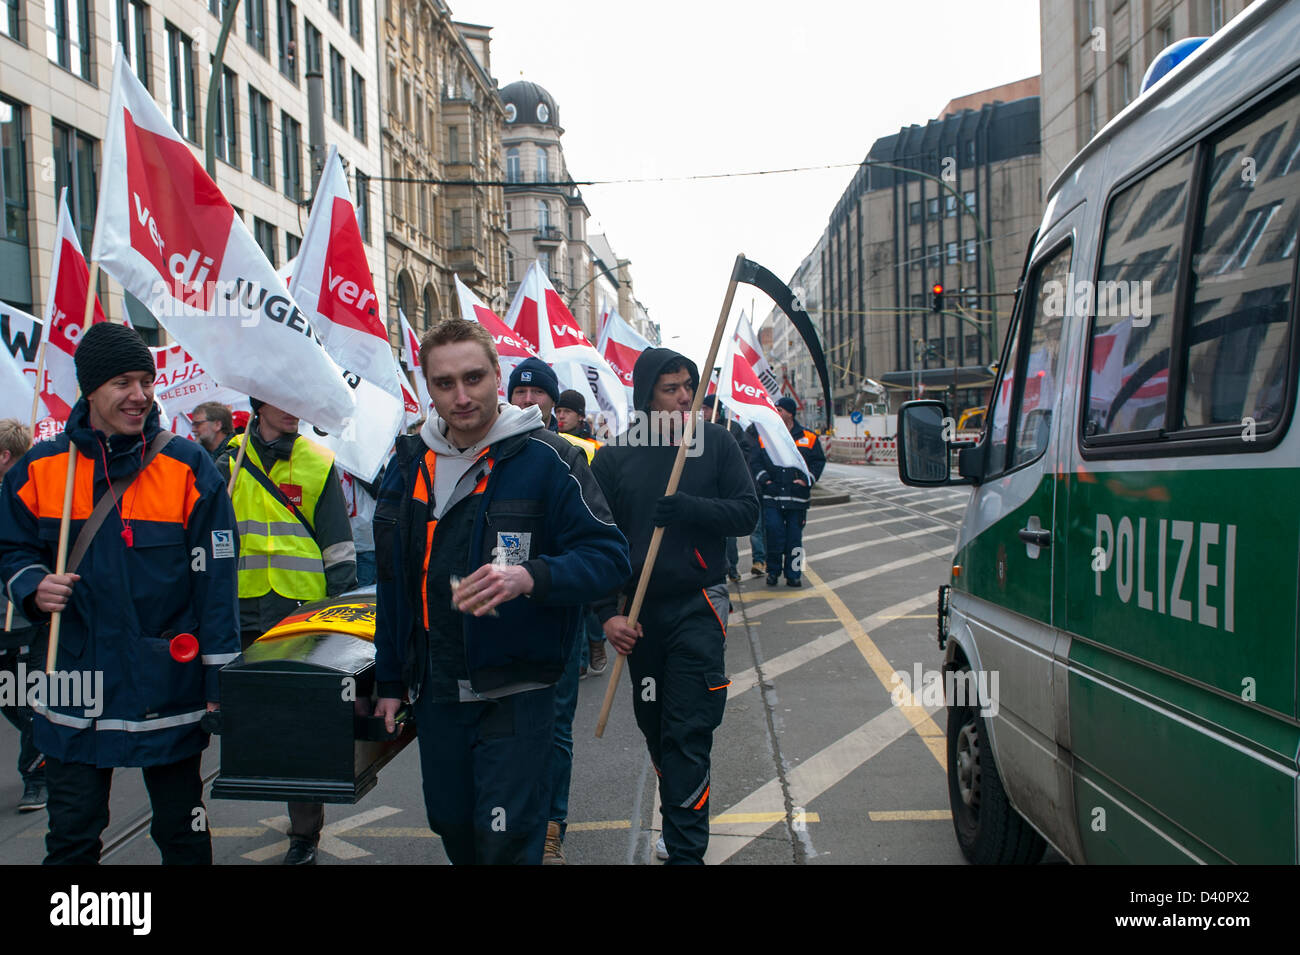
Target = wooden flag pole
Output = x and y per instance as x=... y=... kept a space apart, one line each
x=679 y=463
x=65 y=523
x=239 y=458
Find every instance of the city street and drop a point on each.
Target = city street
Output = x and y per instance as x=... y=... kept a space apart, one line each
x=812 y=763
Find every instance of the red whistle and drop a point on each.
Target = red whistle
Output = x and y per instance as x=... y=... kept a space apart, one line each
x=129 y=536
x=183 y=647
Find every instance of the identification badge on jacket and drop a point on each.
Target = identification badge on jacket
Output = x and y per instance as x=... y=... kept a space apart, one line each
x=513 y=547
x=293 y=492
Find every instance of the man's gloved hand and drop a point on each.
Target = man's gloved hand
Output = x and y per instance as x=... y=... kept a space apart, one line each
x=673 y=509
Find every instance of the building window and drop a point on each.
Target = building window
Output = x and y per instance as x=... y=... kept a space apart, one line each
x=969 y=199
x=970 y=250
x=13 y=171
x=363 y=206
x=457 y=229
x=181 y=83
x=453 y=144
x=422 y=194
x=336 y=8
x=543 y=170
x=573 y=271
x=510 y=265
x=915 y=256
x=1123 y=81
x=1089 y=15
x=509 y=217
x=406 y=104
x=291 y=150
x=544 y=260
x=259 y=122
x=1164 y=35
x=392 y=91
x=227 y=119
x=74 y=168
x=358 y=106
x=264 y=233
x=338 y=88
x=67 y=41
x=914 y=211
x=132 y=23
x=512 y=164
x=255 y=24
x=292 y=243
x=932 y=208
x=397 y=189
x=11 y=20
x=543 y=218
x=934 y=256
x=1089 y=114
x=1216 y=15
x=419 y=118
x=951 y=252
x=354 y=20
x=312 y=43
x=949 y=206
x=287 y=39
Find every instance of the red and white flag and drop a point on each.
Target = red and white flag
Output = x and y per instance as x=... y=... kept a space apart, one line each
x=539 y=316
x=170 y=238
x=65 y=308
x=411 y=359
x=749 y=346
x=511 y=348
x=183 y=384
x=621 y=346
x=332 y=283
x=750 y=402
x=20 y=336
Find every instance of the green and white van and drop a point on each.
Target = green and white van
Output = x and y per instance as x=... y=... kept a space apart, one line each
x=1128 y=564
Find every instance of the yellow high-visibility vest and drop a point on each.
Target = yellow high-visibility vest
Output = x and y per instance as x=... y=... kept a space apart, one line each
x=276 y=552
x=588 y=445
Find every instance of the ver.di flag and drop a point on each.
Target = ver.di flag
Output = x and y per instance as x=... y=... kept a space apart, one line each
x=750 y=402
x=20 y=334
x=332 y=284
x=183 y=384
x=620 y=345
x=748 y=344
x=411 y=359
x=65 y=309
x=511 y=348
x=170 y=238
x=540 y=317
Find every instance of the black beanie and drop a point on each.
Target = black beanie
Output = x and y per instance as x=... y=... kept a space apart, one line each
x=572 y=400
x=107 y=350
x=538 y=374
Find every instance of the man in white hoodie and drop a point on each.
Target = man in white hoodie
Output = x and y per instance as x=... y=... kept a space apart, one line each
x=490 y=535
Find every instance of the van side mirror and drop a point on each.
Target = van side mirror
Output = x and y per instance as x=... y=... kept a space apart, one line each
x=925 y=433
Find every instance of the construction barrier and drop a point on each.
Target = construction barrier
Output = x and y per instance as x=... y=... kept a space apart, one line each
x=862 y=450
x=884 y=451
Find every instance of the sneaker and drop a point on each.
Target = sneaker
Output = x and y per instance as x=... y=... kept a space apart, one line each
x=582 y=672
x=772 y=579
x=301 y=852
x=733 y=576
x=596 y=652
x=661 y=850
x=35 y=796
x=797 y=582
x=759 y=568
x=553 y=854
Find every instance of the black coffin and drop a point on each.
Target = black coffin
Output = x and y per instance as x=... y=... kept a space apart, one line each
x=295 y=708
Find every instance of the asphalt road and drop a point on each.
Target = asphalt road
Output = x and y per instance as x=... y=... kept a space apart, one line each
x=813 y=763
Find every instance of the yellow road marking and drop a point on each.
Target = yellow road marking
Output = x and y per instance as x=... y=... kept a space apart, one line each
x=925 y=727
x=797 y=594
x=232 y=832
x=817 y=620
x=598 y=826
x=910 y=815
x=736 y=818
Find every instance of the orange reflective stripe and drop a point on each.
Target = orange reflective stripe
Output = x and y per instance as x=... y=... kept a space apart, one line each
x=165 y=492
x=46 y=477
x=723 y=687
x=716 y=616
x=421 y=493
x=703 y=799
x=429 y=528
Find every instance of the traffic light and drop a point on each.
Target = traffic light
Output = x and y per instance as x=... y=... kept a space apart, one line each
x=936 y=300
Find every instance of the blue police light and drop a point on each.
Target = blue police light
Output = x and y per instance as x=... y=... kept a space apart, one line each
x=1168 y=58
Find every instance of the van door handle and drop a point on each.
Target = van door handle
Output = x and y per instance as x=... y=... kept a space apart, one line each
x=1040 y=538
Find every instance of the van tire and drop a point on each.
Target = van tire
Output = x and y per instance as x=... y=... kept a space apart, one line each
x=989 y=830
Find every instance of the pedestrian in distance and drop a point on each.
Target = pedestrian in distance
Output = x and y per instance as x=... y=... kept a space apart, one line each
x=295 y=546
x=213 y=424
x=675 y=653
x=22 y=647
x=490 y=534
x=746 y=449
x=148 y=611
x=785 y=493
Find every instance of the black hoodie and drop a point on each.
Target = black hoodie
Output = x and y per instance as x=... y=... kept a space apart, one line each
x=633 y=475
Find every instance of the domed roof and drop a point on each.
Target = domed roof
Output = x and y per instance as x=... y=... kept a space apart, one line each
x=532 y=105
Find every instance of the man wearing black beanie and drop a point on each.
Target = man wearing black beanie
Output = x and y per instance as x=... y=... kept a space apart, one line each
x=534 y=383
x=159 y=566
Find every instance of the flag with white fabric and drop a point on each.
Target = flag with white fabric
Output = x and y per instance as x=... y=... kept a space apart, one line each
x=183 y=384
x=170 y=238
x=331 y=282
x=65 y=308
x=511 y=348
x=539 y=316
x=620 y=345
x=747 y=342
x=750 y=402
x=411 y=359
x=20 y=336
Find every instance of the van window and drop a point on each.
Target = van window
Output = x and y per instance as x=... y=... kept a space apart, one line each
x=1242 y=267
x=1133 y=302
x=1027 y=389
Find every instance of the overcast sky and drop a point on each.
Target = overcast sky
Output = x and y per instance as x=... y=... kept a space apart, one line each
x=677 y=88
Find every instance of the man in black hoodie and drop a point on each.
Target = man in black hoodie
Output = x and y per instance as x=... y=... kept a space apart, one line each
x=675 y=653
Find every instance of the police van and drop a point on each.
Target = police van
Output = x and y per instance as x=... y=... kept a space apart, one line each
x=1128 y=562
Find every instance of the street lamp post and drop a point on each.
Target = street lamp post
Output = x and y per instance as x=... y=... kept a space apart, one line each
x=214 y=79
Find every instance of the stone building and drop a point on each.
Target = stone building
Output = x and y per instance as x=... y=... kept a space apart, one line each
x=443 y=118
